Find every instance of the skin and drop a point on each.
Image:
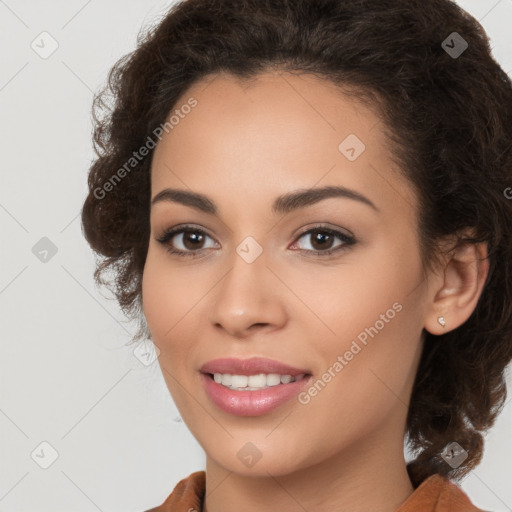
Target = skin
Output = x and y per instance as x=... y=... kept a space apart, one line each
x=242 y=146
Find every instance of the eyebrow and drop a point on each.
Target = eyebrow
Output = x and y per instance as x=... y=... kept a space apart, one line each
x=283 y=204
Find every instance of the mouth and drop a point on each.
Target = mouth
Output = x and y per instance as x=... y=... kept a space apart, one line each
x=251 y=367
x=251 y=387
x=252 y=395
x=254 y=382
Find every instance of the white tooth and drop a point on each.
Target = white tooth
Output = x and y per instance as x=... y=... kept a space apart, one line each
x=238 y=381
x=257 y=381
x=226 y=379
x=273 y=379
x=254 y=382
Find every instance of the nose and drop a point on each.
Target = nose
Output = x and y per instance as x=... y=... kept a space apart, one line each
x=249 y=298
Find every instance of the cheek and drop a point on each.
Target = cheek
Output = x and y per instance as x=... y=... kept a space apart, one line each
x=362 y=385
x=172 y=302
x=164 y=304
x=154 y=297
x=370 y=292
x=368 y=337
x=166 y=296
x=344 y=300
x=163 y=298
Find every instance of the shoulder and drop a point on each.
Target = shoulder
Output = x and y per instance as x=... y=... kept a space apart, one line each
x=454 y=498
x=438 y=494
x=187 y=495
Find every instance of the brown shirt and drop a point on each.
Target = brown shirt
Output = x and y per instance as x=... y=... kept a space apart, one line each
x=435 y=494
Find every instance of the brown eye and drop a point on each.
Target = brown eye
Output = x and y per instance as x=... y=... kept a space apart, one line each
x=322 y=240
x=184 y=241
x=192 y=240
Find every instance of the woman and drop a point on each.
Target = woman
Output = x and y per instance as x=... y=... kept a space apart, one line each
x=307 y=206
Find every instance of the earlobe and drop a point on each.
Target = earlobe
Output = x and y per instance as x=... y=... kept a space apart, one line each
x=456 y=295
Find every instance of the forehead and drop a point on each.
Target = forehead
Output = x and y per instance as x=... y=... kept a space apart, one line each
x=277 y=132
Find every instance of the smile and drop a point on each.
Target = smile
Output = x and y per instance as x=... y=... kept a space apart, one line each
x=254 y=382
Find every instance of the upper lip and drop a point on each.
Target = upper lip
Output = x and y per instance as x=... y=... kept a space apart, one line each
x=251 y=366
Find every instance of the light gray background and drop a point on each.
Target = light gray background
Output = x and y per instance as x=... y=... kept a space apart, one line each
x=66 y=377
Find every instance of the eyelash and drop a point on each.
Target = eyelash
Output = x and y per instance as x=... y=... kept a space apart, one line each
x=170 y=233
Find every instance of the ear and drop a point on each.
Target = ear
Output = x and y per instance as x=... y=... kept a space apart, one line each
x=455 y=288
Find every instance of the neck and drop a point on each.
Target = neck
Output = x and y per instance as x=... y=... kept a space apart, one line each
x=369 y=476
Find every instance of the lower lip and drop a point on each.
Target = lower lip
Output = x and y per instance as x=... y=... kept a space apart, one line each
x=251 y=403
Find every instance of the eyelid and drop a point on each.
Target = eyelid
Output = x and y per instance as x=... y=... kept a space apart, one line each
x=324 y=225
x=170 y=233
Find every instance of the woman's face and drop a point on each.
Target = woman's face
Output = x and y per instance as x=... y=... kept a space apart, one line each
x=262 y=284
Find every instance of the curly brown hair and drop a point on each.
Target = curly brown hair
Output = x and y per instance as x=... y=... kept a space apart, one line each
x=450 y=121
